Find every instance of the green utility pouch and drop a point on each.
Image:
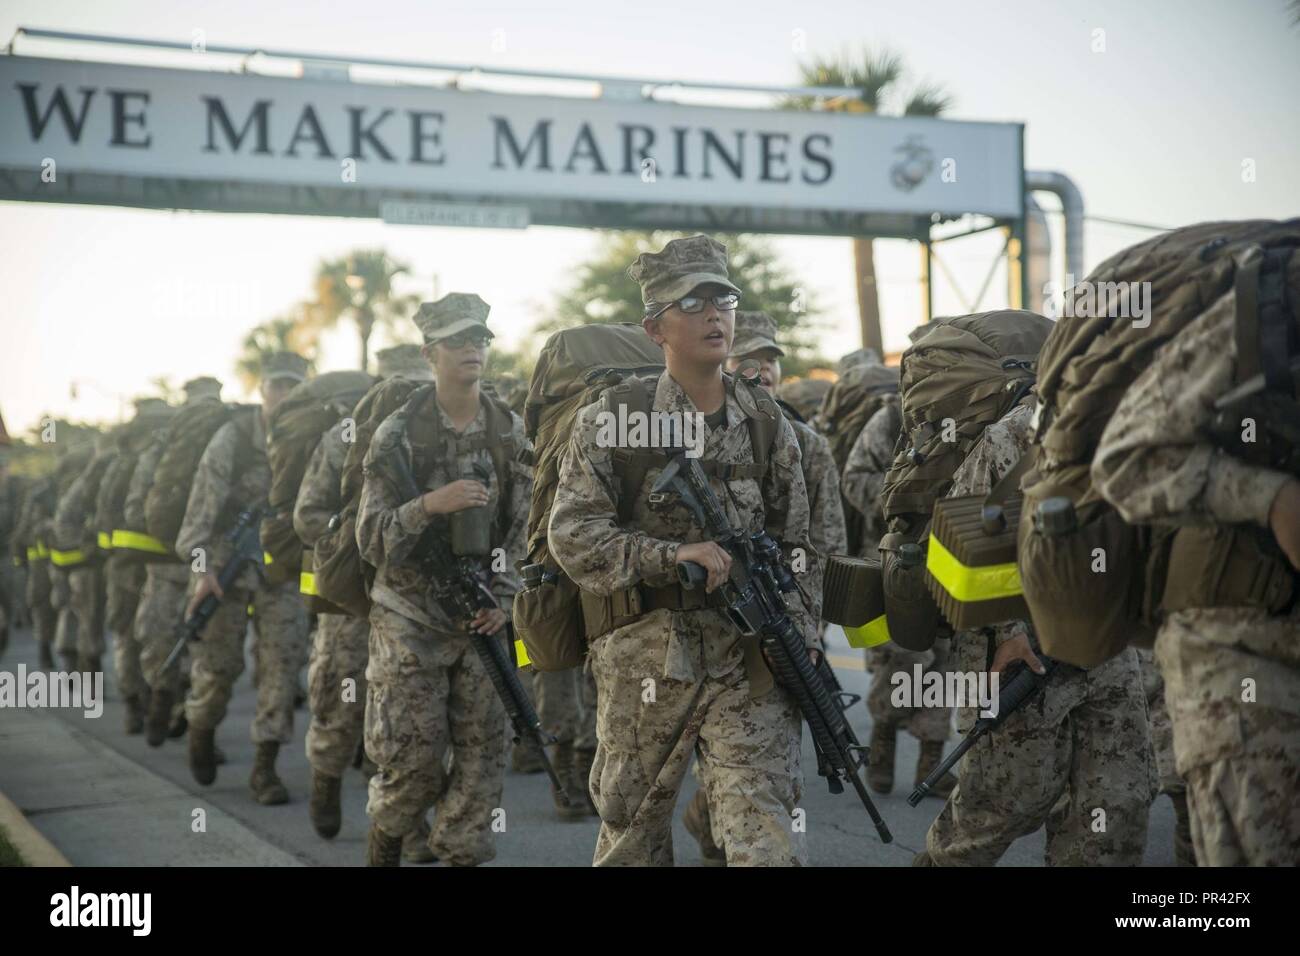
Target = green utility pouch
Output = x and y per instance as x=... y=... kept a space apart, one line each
x=853 y=596
x=1084 y=574
x=970 y=562
x=910 y=609
x=548 y=618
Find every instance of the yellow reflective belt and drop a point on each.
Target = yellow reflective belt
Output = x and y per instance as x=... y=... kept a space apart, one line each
x=266 y=557
x=136 y=541
x=18 y=562
x=41 y=550
x=65 y=559
x=521 y=653
x=307 y=583
x=872 y=634
x=249 y=610
x=34 y=554
x=105 y=541
x=971 y=584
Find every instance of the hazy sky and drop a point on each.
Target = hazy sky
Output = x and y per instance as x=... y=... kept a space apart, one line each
x=1153 y=129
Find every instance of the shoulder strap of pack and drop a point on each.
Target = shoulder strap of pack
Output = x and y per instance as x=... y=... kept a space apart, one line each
x=628 y=396
x=762 y=415
x=499 y=429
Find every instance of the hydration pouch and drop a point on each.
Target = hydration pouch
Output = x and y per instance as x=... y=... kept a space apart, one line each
x=911 y=612
x=548 y=619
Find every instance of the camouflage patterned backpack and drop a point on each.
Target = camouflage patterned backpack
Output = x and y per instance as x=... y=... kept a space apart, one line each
x=186 y=439
x=958 y=378
x=299 y=421
x=1089 y=362
x=849 y=404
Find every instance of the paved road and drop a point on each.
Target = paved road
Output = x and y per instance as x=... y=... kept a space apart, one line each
x=108 y=799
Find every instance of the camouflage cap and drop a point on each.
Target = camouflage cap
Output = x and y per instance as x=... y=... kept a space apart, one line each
x=284 y=365
x=857 y=357
x=404 y=360
x=151 y=409
x=454 y=313
x=205 y=386
x=755 y=331
x=679 y=267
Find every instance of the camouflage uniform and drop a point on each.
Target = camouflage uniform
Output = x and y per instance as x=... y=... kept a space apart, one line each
x=428 y=692
x=83 y=634
x=279 y=619
x=1081 y=747
x=342 y=643
x=161 y=606
x=1240 y=757
x=673 y=683
x=32 y=537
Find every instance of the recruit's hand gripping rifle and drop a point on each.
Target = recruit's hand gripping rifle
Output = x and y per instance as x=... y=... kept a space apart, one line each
x=1014 y=694
x=460 y=586
x=756 y=606
x=248 y=550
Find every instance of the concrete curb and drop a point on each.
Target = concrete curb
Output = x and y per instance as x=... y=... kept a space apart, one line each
x=27 y=840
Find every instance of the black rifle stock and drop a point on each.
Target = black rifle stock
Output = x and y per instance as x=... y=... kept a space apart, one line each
x=460 y=588
x=248 y=550
x=756 y=606
x=1012 y=695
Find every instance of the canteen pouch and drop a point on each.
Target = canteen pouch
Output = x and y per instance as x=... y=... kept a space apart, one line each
x=853 y=596
x=1084 y=586
x=548 y=618
x=910 y=610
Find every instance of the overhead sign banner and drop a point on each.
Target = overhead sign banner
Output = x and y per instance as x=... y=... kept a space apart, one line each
x=229 y=138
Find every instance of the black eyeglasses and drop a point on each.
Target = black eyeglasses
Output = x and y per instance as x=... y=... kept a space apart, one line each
x=692 y=304
x=480 y=340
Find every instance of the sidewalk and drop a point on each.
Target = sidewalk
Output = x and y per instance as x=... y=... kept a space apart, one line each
x=102 y=809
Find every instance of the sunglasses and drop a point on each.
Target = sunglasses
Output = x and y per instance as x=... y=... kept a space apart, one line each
x=692 y=304
x=480 y=340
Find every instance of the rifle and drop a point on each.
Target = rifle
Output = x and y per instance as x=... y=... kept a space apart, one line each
x=756 y=607
x=1012 y=695
x=460 y=587
x=248 y=550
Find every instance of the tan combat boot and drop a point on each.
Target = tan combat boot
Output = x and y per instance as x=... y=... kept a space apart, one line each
x=158 y=723
x=324 y=806
x=576 y=807
x=382 y=849
x=880 y=758
x=524 y=758
x=134 y=715
x=696 y=821
x=203 y=757
x=931 y=754
x=266 y=786
x=580 y=775
x=415 y=845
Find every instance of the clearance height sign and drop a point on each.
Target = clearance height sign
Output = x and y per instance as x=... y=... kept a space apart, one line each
x=93 y=132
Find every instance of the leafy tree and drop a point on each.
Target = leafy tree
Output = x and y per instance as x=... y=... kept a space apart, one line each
x=602 y=291
x=359 y=286
x=285 y=334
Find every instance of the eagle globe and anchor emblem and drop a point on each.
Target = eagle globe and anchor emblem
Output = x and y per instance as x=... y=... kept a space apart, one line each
x=916 y=163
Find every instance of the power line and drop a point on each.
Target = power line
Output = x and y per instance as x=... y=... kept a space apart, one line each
x=1126 y=222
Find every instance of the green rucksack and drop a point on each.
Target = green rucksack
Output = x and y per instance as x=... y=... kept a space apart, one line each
x=958 y=378
x=577 y=366
x=187 y=437
x=341 y=577
x=1085 y=617
x=849 y=404
x=299 y=421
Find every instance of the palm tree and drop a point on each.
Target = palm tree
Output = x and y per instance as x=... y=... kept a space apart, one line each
x=284 y=334
x=360 y=286
x=875 y=74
